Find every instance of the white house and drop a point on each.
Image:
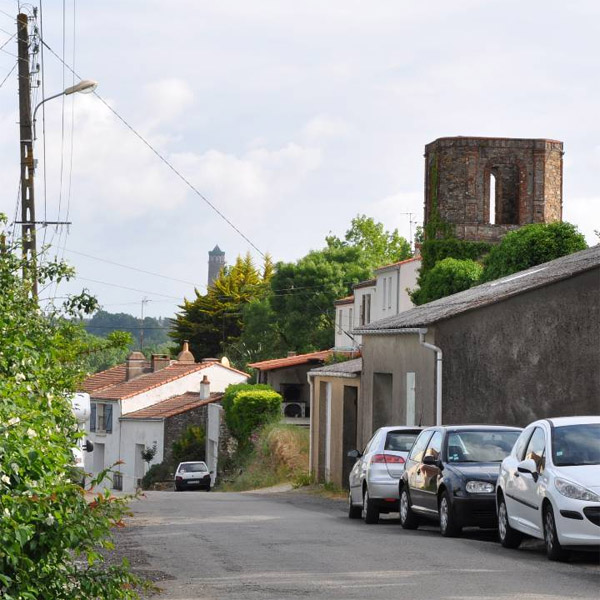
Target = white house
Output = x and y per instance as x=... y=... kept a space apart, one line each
x=384 y=296
x=131 y=387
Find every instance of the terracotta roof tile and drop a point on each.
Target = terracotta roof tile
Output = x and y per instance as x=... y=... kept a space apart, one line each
x=291 y=361
x=148 y=381
x=172 y=406
x=346 y=300
x=397 y=264
x=363 y=284
x=104 y=379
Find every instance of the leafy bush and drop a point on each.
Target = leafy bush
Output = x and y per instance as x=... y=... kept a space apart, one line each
x=435 y=250
x=532 y=245
x=447 y=277
x=190 y=446
x=156 y=473
x=50 y=534
x=247 y=407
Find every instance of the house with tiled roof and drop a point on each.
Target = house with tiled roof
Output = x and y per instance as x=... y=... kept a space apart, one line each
x=509 y=351
x=159 y=388
x=383 y=296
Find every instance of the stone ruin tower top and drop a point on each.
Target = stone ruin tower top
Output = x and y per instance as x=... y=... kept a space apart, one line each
x=485 y=187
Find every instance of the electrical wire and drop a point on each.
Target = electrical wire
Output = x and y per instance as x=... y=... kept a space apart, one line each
x=8 y=74
x=126 y=288
x=162 y=158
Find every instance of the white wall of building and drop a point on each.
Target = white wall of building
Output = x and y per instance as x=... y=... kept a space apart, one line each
x=345 y=326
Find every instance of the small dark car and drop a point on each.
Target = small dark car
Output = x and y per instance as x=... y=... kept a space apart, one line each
x=450 y=476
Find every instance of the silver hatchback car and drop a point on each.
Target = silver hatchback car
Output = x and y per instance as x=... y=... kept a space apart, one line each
x=375 y=477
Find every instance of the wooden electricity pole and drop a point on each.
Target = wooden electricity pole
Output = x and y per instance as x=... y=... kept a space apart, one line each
x=27 y=163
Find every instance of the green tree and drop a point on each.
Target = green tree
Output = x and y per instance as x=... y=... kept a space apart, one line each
x=104 y=323
x=50 y=534
x=532 y=245
x=447 y=277
x=213 y=321
x=378 y=246
x=304 y=292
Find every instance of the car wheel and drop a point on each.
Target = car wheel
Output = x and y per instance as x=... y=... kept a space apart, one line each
x=354 y=512
x=553 y=548
x=509 y=537
x=449 y=527
x=408 y=519
x=177 y=488
x=207 y=489
x=370 y=513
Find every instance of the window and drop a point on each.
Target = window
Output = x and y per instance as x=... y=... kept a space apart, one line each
x=367 y=299
x=384 y=295
x=480 y=446
x=400 y=441
x=418 y=449
x=492 y=199
x=536 y=449
x=576 y=445
x=435 y=445
x=390 y=293
x=101 y=417
x=340 y=314
x=521 y=443
x=350 y=322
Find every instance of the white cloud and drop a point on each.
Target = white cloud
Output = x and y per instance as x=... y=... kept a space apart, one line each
x=323 y=127
x=167 y=99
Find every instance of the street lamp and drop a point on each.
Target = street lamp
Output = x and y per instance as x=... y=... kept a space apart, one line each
x=85 y=86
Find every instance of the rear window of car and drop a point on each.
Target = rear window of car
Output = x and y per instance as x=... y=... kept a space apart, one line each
x=400 y=441
x=193 y=468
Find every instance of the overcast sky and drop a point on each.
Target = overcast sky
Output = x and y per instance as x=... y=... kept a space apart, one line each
x=290 y=117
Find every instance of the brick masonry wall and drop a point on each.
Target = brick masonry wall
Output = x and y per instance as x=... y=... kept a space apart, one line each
x=528 y=177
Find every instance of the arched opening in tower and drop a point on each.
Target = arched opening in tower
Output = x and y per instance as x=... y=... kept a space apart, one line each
x=492 y=206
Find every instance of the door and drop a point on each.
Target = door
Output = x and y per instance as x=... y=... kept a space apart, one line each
x=413 y=470
x=349 y=430
x=525 y=493
x=138 y=464
x=430 y=473
x=98 y=457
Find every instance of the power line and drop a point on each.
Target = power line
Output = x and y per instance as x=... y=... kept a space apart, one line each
x=9 y=74
x=162 y=158
x=127 y=288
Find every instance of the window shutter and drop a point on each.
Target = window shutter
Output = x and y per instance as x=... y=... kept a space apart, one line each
x=93 y=417
x=108 y=418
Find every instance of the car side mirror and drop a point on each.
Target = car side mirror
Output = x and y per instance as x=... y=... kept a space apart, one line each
x=529 y=467
x=212 y=472
x=354 y=454
x=88 y=446
x=431 y=460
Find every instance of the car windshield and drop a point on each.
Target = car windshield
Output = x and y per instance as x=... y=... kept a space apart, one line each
x=576 y=445
x=400 y=441
x=480 y=446
x=193 y=467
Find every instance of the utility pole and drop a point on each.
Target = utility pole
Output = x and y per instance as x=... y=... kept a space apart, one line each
x=27 y=162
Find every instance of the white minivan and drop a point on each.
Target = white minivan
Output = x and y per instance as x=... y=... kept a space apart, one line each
x=549 y=486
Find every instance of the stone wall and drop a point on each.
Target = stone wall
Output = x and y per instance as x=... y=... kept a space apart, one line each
x=176 y=426
x=527 y=179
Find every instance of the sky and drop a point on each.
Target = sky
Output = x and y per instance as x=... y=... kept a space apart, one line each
x=290 y=118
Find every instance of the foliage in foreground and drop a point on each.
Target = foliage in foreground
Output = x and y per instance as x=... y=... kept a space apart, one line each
x=279 y=454
x=50 y=536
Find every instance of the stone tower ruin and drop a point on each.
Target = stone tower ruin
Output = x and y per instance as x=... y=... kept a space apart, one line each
x=486 y=187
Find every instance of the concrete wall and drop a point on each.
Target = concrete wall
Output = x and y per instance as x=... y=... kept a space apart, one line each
x=532 y=356
x=342 y=339
x=338 y=442
x=395 y=355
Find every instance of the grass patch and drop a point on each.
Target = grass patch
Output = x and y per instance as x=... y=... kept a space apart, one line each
x=278 y=455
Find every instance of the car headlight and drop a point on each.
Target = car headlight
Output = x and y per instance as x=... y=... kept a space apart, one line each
x=572 y=490
x=479 y=487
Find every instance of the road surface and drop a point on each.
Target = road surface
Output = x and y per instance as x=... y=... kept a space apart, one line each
x=292 y=545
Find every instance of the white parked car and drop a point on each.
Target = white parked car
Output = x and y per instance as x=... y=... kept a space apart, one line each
x=192 y=474
x=374 y=479
x=549 y=486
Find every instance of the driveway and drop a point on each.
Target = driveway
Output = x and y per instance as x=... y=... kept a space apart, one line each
x=200 y=545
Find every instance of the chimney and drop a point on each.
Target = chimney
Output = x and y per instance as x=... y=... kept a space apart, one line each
x=210 y=360
x=134 y=365
x=204 y=388
x=185 y=356
x=291 y=353
x=160 y=361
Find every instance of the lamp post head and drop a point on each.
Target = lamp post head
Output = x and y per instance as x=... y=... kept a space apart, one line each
x=85 y=86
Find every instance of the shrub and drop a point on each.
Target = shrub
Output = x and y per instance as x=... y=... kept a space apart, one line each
x=190 y=446
x=160 y=472
x=532 y=245
x=447 y=277
x=247 y=407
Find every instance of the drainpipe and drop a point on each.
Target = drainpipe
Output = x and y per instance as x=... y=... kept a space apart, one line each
x=438 y=375
x=310 y=423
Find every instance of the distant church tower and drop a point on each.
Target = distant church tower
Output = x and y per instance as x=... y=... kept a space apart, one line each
x=216 y=261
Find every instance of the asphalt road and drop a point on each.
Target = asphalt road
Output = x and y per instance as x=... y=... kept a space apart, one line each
x=202 y=545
